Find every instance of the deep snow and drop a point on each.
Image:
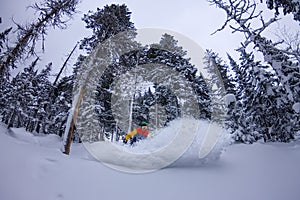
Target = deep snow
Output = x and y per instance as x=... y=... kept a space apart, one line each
x=33 y=168
x=187 y=141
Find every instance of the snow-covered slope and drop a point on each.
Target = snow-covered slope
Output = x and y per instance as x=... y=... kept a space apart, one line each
x=33 y=168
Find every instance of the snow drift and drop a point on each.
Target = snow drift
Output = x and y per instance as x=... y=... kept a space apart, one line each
x=184 y=142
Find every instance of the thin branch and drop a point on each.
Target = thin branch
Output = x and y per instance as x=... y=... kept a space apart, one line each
x=65 y=64
x=28 y=36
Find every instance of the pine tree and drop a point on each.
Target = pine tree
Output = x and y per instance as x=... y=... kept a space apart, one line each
x=157 y=108
x=28 y=99
x=284 y=71
x=21 y=97
x=43 y=87
x=168 y=43
x=58 y=111
x=51 y=13
x=95 y=112
x=151 y=65
x=176 y=58
x=4 y=81
x=286 y=6
x=6 y=98
x=219 y=84
x=105 y=23
x=259 y=111
x=3 y=39
x=246 y=131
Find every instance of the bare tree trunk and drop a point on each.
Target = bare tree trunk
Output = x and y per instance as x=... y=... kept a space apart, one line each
x=65 y=64
x=130 y=114
x=12 y=119
x=50 y=15
x=74 y=115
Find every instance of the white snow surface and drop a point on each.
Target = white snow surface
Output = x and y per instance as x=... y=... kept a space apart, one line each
x=34 y=168
x=296 y=107
x=229 y=98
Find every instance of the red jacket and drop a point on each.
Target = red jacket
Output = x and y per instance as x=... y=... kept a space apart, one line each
x=141 y=131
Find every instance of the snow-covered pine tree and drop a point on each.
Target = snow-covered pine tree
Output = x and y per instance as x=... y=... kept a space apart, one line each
x=6 y=98
x=42 y=100
x=176 y=58
x=10 y=102
x=169 y=43
x=5 y=86
x=219 y=84
x=27 y=99
x=149 y=65
x=259 y=111
x=105 y=23
x=169 y=102
x=247 y=129
x=243 y=14
x=286 y=66
x=3 y=39
x=158 y=108
x=21 y=98
x=4 y=48
x=234 y=106
x=58 y=112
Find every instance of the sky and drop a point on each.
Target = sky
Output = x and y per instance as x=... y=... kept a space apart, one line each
x=195 y=19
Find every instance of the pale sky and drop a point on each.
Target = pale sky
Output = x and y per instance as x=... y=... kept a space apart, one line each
x=195 y=19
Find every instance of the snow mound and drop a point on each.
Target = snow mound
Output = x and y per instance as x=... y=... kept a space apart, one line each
x=209 y=143
x=22 y=136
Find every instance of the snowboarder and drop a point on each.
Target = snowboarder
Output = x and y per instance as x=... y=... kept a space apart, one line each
x=137 y=134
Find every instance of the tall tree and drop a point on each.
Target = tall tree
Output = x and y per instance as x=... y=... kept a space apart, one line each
x=105 y=23
x=27 y=99
x=21 y=97
x=53 y=13
x=241 y=15
x=4 y=81
x=43 y=99
x=219 y=84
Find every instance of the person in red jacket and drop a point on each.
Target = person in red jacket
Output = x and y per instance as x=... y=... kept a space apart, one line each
x=137 y=134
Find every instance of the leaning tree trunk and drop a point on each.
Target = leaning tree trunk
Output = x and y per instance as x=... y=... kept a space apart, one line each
x=71 y=123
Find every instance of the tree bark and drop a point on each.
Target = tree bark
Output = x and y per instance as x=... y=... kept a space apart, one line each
x=68 y=142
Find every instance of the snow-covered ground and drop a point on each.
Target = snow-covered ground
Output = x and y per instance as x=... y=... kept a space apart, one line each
x=33 y=168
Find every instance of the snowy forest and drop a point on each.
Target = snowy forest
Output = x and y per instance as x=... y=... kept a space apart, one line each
x=264 y=94
x=228 y=129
